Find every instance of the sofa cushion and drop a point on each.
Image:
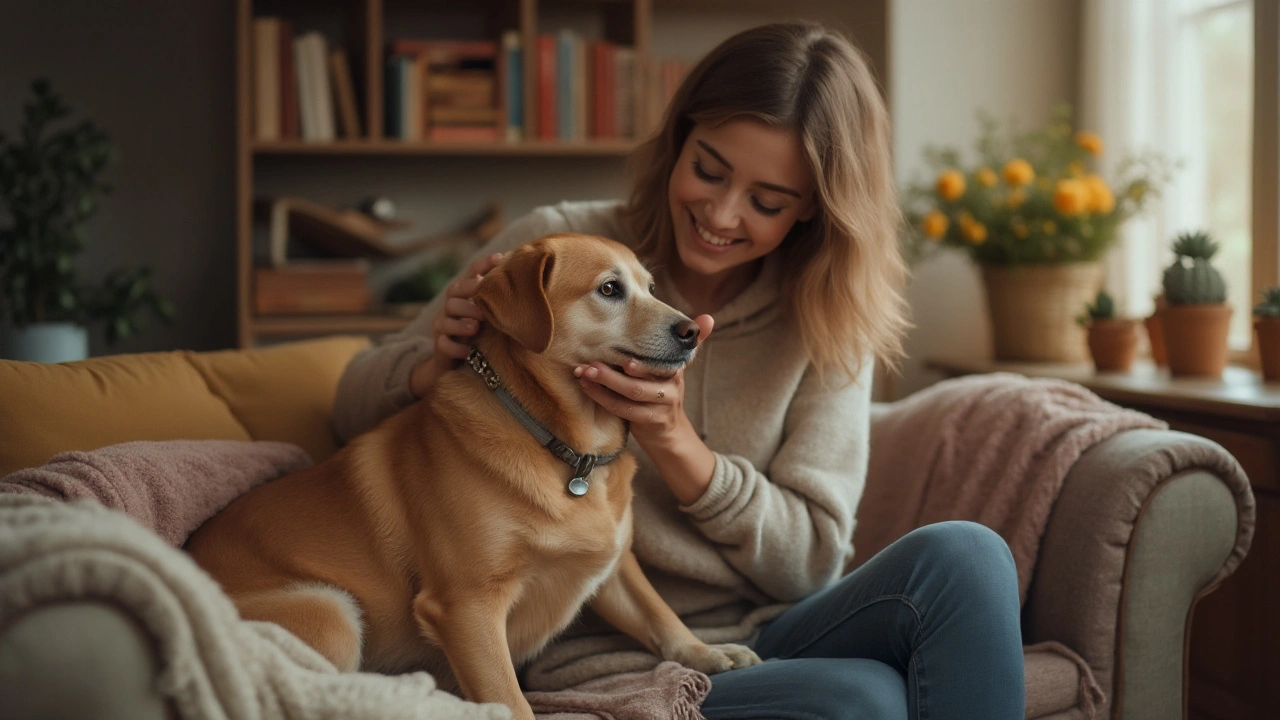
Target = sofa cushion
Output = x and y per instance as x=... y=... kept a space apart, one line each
x=284 y=392
x=1053 y=683
x=47 y=409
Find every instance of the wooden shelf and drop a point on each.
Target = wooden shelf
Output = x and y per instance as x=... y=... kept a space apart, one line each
x=307 y=325
x=589 y=148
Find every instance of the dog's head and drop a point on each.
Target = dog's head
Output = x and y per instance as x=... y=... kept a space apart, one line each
x=578 y=299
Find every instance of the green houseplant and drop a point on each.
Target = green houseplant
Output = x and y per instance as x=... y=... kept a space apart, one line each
x=1033 y=212
x=50 y=184
x=1113 y=341
x=1196 y=319
x=1267 y=325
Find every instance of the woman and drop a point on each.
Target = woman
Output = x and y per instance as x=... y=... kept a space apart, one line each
x=767 y=202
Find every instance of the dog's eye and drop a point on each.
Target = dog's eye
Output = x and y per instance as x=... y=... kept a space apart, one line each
x=611 y=289
x=652 y=288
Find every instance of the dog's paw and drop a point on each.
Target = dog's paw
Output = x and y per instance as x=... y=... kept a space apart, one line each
x=712 y=659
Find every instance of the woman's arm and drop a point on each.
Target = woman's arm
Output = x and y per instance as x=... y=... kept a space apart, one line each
x=380 y=379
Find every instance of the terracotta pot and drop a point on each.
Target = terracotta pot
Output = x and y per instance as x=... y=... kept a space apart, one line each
x=1113 y=343
x=1268 y=329
x=1033 y=309
x=1196 y=338
x=1155 y=336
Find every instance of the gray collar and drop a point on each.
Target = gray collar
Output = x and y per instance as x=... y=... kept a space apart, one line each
x=582 y=464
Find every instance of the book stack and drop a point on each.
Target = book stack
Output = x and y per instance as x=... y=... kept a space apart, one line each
x=302 y=89
x=584 y=89
x=442 y=90
x=663 y=83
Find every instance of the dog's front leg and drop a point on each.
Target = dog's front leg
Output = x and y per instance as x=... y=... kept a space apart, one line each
x=628 y=601
x=472 y=632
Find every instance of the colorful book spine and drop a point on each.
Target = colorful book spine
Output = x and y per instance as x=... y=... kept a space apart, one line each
x=513 y=85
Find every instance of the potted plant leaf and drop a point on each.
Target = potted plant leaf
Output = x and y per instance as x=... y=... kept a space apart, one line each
x=50 y=183
x=1267 y=325
x=1113 y=341
x=1197 y=318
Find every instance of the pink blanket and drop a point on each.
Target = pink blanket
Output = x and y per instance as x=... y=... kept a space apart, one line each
x=993 y=449
x=169 y=487
x=670 y=690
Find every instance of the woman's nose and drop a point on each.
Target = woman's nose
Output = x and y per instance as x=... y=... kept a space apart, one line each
x=722 y=216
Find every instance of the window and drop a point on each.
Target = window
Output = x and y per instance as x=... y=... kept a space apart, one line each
x=1178 y=77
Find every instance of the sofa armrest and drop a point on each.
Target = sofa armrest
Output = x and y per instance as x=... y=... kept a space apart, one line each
x=1146 y=521
x=78 y=659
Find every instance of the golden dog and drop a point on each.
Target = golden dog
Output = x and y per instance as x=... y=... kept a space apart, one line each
x=454 y=537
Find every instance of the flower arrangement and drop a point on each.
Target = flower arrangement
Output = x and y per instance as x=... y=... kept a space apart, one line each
x=1031 y=197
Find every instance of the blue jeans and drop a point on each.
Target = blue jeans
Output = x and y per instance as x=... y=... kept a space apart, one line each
x=926 y=629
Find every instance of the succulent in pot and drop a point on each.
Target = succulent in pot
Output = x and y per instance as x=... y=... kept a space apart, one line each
x=1113 y=341
x=1197 y=319
x=1266 y=324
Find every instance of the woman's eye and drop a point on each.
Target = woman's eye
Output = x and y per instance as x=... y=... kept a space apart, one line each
x=702 y=173
x=611 y=289
x=765 y=209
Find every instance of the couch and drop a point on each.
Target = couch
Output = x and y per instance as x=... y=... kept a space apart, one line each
x=1131 y=544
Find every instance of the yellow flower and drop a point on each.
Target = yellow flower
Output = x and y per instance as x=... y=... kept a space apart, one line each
x=1090 y=142
x=950 y=185
x=1071 y=197
x=986 y=177
x=974 y=232
x=1016 y=198
x=1018 y=172
x=1101 y=200
x=934 y=224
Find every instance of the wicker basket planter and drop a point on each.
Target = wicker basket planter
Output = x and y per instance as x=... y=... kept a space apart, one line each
x=1033 y=310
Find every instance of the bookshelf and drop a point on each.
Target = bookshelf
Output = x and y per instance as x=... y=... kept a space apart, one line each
x=366 y=31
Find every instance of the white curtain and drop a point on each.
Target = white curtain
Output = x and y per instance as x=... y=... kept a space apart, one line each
x=1134 y=83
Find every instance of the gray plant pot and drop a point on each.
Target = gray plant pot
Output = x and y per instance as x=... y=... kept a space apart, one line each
x=45 y=342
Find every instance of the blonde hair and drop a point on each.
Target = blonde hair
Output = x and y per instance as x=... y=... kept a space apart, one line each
x=842 y=271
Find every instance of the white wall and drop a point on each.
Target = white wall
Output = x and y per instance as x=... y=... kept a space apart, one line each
x=947 y=60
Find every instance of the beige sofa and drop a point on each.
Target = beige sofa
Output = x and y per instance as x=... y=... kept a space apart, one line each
x=1133 y=540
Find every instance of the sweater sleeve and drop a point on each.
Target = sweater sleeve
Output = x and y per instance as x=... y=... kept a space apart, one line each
x=375 y=384
x=790 y=531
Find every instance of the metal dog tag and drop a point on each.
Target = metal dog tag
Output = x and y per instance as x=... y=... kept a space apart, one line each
x=578 y=485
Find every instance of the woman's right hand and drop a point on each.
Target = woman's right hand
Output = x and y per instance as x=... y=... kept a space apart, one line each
x=458 y=319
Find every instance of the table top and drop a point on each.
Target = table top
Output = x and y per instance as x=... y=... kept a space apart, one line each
x=1239 y=393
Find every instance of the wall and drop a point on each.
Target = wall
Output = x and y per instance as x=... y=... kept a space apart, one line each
x=948 y=59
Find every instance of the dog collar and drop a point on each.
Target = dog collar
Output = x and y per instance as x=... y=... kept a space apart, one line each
x=582 y=463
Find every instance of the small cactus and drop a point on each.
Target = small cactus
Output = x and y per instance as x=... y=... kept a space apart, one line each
x=1270 y=305
x=1191 y=279
x=1102 y=308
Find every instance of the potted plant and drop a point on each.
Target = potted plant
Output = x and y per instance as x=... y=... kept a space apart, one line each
x=1196 y=321
x=50 y=182
x=1267 y=325
x=1035 y=216
x=1113 y=342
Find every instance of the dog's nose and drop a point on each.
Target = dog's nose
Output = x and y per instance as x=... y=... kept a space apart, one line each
x=686 y=333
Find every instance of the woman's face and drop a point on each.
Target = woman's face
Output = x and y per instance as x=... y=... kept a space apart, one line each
x=736 y=190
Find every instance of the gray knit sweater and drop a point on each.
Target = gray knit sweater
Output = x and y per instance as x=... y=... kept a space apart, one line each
x=776 y=522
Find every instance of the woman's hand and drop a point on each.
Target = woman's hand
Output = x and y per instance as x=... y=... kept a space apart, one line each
x=457 y=320
x=655 y=407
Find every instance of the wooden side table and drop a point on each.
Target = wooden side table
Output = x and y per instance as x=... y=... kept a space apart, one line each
x=1235 y=635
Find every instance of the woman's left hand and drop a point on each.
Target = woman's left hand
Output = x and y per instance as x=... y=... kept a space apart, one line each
x=653 y=404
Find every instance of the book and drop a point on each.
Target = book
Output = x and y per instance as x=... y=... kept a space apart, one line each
x=547 y=124
x=512 y=72
x=344 y=93
x=267 y=90
x=290 y=125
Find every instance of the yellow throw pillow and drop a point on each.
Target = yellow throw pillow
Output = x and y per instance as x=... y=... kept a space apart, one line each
x=47 y=409
x=285 y=392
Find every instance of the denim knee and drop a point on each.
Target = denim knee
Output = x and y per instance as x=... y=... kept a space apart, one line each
x=970 y=553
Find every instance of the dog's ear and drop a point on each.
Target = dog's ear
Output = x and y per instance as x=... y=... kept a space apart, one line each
x=513 y=297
